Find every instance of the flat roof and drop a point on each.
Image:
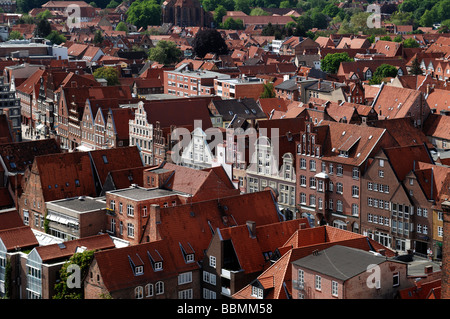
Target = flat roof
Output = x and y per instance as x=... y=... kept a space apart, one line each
x=141 y=193
x=79 y=204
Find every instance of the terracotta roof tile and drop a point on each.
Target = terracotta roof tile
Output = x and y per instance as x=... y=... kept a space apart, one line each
x=57 y=252
x=310 y=239
x=10 y=219
x=18 y=238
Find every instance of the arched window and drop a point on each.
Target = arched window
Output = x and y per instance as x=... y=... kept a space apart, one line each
x=149 y=290
x=139 y=292
x=159 y=287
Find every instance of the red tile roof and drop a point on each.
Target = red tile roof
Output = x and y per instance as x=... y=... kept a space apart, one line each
x=116 y=265
x=301 y=244
x=403 y=159
x=437 y=125
x=195 y=222
x=10 y=219
x=65 y=175
x=18 y=238
x=250 y=248
x=113 y=159
x=57 y=252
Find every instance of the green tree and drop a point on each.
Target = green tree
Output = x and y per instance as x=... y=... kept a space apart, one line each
x=113 y=4
x=43 y=28
x=427 y=19
x=259 y=12
x=398 y=38
x=331 y=62
x=219 y=13
x=98 y=37
x=110 y=74
x=82 y=260
x=15 y=35
x=209 y=41
x=56 y=37
x=44 y=15
x=233 y=24
x=165 y=52
x=410 y=43
x=143 y=13
x=268 y=91
x=415 y=67
x=242 y=5
x=382 y=72
x=121 y=26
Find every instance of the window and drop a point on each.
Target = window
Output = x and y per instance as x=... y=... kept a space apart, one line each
x=355 y=173
x=312 y=182
x=396 y=279
x=112 y=205
x=185 y=294
x=139 y=292
x=355 y=210
x=159 y=288
x=312 y=200
x=380 y=173
x=440 y=230
x=312 y=165
x=209 y=278
x=184 y=278
x=355 y=191
x=334 y=288
x=340 y=170
x=318 y=282
x=130 y=230
x=257 y=292
x=301 y=278
x=303 y=163
x=381 y=163
x=303 y=180
x=339 y=206
x=302 y=198
x=130 y=210
x=339 y=188
x=212 y=261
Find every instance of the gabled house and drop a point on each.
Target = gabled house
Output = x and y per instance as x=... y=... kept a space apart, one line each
x=238 y=254
x=277 y=281
x=392 y=102
x=331 y=159
x=326 y=274
x=146 y=271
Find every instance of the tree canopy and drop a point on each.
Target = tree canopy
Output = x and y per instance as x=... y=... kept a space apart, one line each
x=331 y=62
x=209 y=41
x=143 y=13
x=110 y=74
x=382 y=72
x=165 y=52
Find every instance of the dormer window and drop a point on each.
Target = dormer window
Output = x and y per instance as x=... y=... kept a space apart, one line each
x=156 y=260
x=158 y=265
x=139 y=270
x=257 y=292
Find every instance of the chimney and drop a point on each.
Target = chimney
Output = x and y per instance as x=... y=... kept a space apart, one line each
x=428 y=269
x=155 y=220
x=319 y=84
x=251 y=225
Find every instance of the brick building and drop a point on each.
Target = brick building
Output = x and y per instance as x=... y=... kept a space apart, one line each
x=330 y=161
x=185 y=82
x=326 y=274
x=239 y=88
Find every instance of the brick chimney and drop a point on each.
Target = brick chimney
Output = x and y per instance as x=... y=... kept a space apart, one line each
x=445 y=281
x=251 y=228
x=155 y=220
